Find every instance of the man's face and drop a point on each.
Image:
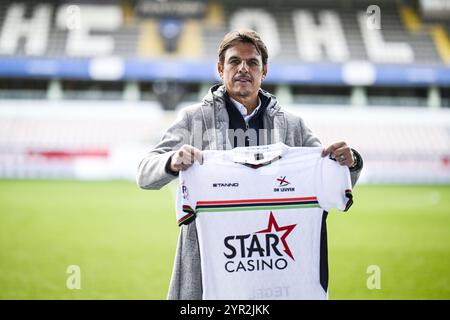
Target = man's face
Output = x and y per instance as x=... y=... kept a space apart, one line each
x=242 y=71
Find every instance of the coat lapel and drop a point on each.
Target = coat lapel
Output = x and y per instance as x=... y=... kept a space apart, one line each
x=222 y=120
x=279 y=128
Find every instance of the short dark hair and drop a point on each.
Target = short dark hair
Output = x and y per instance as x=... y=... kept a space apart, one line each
x=245 y=36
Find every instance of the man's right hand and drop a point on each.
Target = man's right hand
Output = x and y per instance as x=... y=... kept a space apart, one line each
x=184 y=157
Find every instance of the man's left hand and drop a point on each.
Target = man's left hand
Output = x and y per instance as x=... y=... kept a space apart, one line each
x=341 y=152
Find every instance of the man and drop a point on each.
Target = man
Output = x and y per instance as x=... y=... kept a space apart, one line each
x=237 y=113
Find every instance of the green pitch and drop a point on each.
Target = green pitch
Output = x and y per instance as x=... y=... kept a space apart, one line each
x=123 y=239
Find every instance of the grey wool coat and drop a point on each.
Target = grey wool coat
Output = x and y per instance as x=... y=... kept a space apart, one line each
x=204 y=125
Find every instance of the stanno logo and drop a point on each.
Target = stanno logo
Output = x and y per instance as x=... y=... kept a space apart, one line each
x=282 y=185
x=266 y=249
x=225 y=185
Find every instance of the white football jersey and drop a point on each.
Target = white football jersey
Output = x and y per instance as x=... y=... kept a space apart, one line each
x=260 y=216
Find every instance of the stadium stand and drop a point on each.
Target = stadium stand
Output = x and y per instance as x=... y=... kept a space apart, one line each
x=400 y=145
x=79 y=91
x=301 y=30
x=45 y=139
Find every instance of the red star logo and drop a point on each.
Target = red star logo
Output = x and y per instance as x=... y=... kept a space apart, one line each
x=288 y=229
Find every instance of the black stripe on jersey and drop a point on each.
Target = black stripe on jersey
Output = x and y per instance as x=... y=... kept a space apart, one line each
x=349 y=203
x=324 y=253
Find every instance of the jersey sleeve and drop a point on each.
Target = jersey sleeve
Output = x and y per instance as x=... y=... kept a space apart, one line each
x=186 y=202
x=333 y=185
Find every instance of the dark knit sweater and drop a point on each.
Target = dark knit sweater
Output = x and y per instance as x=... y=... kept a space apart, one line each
x=241 y=134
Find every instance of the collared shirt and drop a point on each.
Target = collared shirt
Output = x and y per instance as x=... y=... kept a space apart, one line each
x=243 y=110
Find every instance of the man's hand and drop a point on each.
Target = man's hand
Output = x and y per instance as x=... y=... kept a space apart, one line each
x=341 y=152
x=184 y=157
